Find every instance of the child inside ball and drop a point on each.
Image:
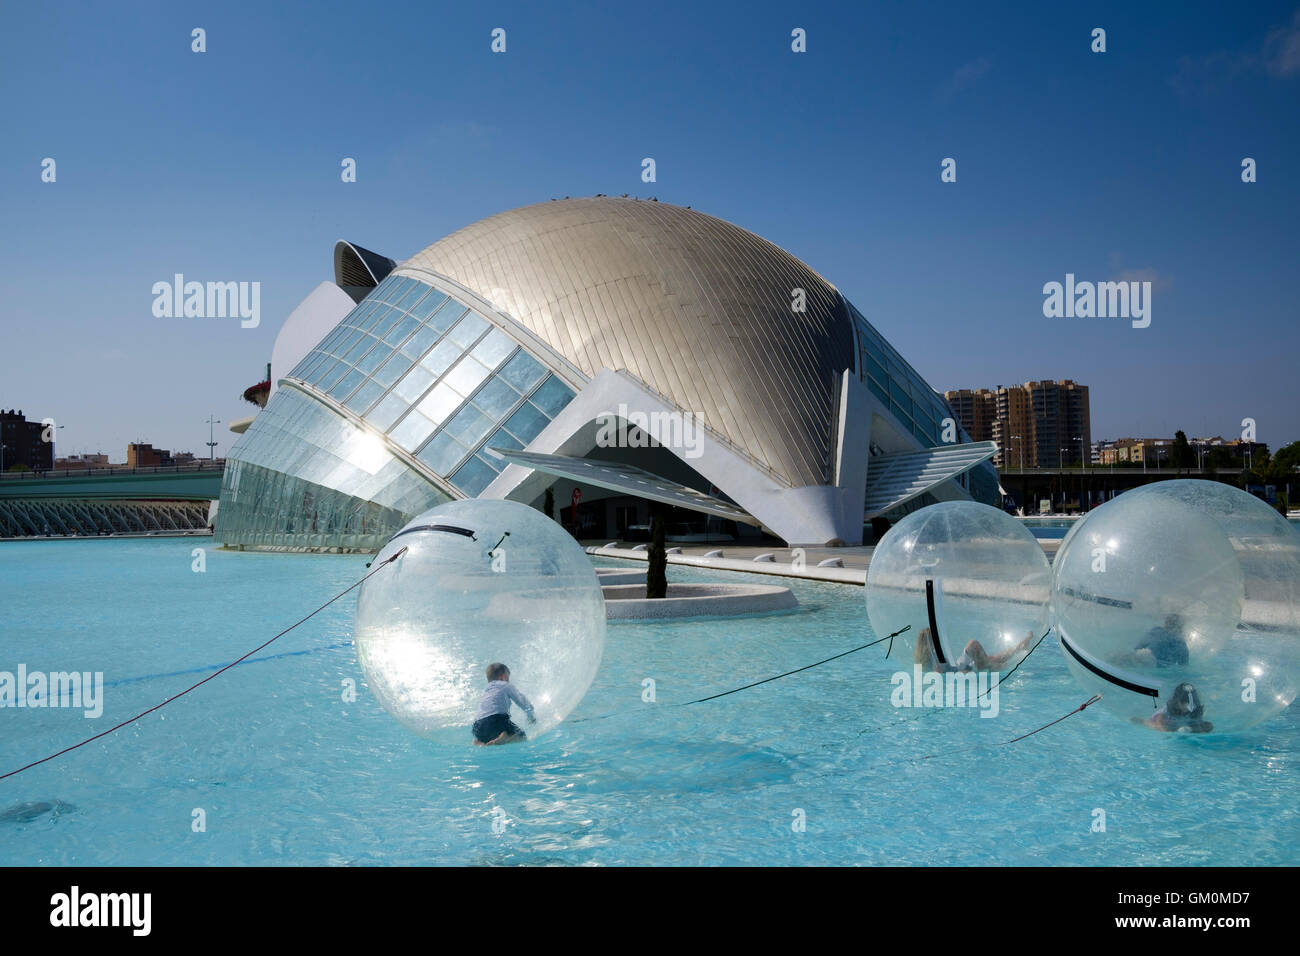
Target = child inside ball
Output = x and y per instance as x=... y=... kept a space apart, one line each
x=493 y=725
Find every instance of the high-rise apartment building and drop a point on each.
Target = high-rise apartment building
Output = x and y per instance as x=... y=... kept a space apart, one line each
x=1035 y=425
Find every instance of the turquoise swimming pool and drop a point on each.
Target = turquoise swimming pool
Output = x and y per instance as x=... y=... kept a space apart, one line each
x=817 y=768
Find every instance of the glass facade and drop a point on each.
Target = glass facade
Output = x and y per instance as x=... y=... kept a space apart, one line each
x=414 y=364
x=914 y=404
x=305 y=478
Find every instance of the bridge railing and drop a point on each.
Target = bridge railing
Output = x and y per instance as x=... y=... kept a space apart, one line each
x=205 y=465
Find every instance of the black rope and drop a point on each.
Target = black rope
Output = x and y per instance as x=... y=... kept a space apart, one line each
x=145 y=713
x=766 y=680
x=1003 y=680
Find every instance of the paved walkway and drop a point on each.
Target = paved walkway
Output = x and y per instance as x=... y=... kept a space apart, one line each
x=736 y=557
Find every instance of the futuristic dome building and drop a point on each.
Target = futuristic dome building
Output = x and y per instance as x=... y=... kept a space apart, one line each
x=632 y=350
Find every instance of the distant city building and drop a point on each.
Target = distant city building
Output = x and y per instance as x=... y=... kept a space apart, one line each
x=1156 y=452
x=21 y=445
x=73 y=462
x=977 y=411
x=143 y=454
x=1043 y=424
x=1013 y=428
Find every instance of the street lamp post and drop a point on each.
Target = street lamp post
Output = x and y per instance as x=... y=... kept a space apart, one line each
x=212 y=445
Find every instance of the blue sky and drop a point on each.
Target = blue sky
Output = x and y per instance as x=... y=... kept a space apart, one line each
x=225 y=166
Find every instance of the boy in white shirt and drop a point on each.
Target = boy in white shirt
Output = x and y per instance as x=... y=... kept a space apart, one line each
x=493 y=724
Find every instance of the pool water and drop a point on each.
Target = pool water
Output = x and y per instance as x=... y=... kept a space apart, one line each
x=816 y=768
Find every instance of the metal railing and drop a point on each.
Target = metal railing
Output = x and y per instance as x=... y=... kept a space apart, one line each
x=107 y=470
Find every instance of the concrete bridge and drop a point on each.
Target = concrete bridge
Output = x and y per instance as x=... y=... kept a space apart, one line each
x=161 y=499
x=1080 y=489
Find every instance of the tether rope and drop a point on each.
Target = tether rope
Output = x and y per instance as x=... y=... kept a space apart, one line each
x=145 y=713
x=765 y=680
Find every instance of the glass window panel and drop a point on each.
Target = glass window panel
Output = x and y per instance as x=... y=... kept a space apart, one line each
x=900 y=396
x=400 y=288
x=878 y=390
x=494 y=348
x=331 y=375
x=387 y=412
x=502 y=439
x=873 y=367
x=418 y=343
x=424 y=308
x=360 y=348
x=369 y=317
x=473 y=476
x=392 y=370
x=401 y=330
x=412 y=295
x=341 y=347
x=309 y=365
x=466 y=376
x=443 y=453
x=526 y=423
x=900 y=413
x=441 y=402
x=440 y=359
x=387 y=318
x=522 y=371
x=415 y=383
x=470 y=425
x=366 y=394
x=336 y=334
x=447 y=315
x=552 y=396
x=411 y=432
x=496 y=398
x=346 y=384
x=374 y=357
x=468 y=329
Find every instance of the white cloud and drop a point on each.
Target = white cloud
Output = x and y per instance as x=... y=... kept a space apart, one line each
x=1282 y=49
x=965 y=76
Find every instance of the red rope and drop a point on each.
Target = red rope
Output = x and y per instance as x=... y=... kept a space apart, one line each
x=1084 y=706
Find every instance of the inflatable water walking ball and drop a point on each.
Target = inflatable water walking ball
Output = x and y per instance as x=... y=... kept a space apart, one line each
x=481 y=581
x=962 y=571
x=1179 y=603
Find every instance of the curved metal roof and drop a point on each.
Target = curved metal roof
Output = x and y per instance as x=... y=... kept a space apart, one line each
x=358 y=269
x=695 y=307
